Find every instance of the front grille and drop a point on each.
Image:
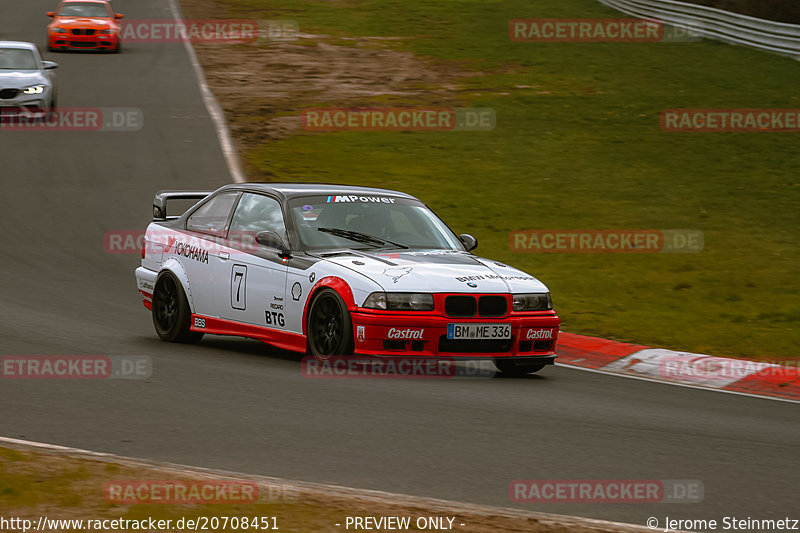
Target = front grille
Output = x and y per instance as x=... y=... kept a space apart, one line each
x=465 y=346
x=469 y=306
x=82 y=31
x=460 y=306
x=492 y=305
x=81 y=44
x=8 y=94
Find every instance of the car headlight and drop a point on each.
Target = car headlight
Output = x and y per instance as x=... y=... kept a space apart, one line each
x=59 y=30
x=34 y=89
x=532 y=302
x=400 y=301
x=106 y=32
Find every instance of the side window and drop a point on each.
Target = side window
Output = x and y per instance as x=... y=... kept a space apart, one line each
x=256 y=213
x=212 y=215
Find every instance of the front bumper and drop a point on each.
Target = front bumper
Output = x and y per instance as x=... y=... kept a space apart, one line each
x=68 y=41
x=533 y=335
x=25 y=104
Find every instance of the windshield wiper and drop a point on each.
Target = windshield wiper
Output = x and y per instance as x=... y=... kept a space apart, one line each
x=362 y=238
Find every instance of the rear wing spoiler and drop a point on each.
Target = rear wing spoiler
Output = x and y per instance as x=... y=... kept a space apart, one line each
x=160 y=201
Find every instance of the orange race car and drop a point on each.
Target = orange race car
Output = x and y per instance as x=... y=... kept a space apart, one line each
x=84 y=25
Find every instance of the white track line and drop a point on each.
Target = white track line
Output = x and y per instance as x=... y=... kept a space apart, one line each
x=339 y=491
x=675 y=384
x=213 y=107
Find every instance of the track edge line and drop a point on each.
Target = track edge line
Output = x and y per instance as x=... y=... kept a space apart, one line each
x=212 y=106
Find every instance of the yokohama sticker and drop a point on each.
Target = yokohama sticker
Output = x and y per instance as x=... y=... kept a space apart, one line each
x=191 y=252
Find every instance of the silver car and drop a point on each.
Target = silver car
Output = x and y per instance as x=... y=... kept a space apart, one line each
x=27 y=84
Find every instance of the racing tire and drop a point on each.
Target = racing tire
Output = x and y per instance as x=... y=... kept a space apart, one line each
x=509 y=368
x=329 y=326
x=171 y=314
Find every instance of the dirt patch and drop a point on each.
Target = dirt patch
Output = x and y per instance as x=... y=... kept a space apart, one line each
x=256 y=84
x=263 y=86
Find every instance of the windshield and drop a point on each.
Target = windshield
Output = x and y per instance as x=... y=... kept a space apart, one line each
x=17 y=59
x=364 y=222
x=87 y=9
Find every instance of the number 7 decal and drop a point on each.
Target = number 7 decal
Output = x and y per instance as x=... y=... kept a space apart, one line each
x=238 y=286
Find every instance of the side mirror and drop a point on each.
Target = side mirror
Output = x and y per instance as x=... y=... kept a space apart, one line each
x=49 y=65
x=51 y=14
x=118 y=16
x=270 y=239
x=468 y=241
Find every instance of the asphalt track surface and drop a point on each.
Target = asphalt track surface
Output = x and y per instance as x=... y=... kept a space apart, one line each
x=239 y=405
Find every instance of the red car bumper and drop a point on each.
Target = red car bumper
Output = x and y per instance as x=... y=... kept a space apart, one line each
x=70 y=41
x=425 y=334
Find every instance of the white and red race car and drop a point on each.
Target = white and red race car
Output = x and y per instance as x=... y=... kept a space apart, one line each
x=335 y=270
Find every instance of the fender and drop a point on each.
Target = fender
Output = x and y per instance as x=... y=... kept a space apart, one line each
x=336 y=283
x=174 y=266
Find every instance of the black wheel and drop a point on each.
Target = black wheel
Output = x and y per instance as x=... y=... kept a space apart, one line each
x=171 y=314
x=330 y=328
x=509 y=368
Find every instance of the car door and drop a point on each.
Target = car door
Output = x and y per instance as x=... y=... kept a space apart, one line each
x=254 y=275
x=198 y=252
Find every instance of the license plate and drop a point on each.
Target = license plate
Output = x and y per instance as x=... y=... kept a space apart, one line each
x=479 y=331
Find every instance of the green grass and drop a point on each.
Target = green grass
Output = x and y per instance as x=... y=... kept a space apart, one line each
x=581 y=148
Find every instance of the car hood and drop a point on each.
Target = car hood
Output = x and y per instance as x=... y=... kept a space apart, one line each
x=436 y=271
x=17 y=79
x=83 y=22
